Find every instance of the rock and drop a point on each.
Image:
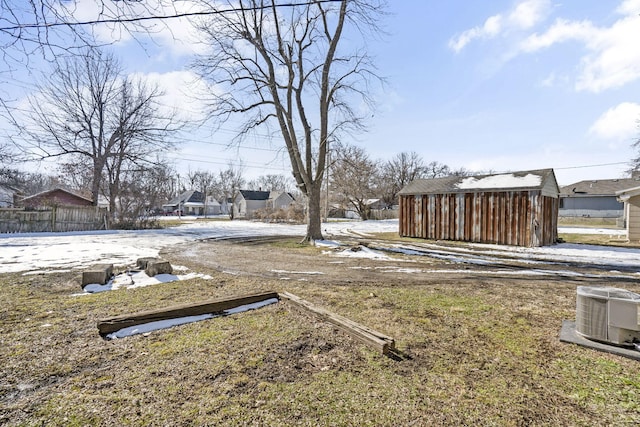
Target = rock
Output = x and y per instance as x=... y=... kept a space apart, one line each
x=99 y=274
x=158 y=266
x=142 y=262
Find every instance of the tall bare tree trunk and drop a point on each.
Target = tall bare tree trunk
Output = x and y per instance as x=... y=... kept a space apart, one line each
x=314 y=223
x=277 y=64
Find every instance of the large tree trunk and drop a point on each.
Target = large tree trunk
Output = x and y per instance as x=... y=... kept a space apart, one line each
x=314 y=223
x=98 y=167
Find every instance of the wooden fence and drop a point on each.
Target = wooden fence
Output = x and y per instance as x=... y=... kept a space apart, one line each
x=56 y=218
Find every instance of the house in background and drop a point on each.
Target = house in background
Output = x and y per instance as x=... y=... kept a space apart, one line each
x=631 y=200
x=55 y=197
x=247 y=202
x=212 y=206
x=595 y=198
x=188 y=203
x=279 y=200
x=519 y=208
x=9 y=196
x=351 y=212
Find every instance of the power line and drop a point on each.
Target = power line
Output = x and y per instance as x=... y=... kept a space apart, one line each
x=593 y=166
x=236 y=163
x=162 y=17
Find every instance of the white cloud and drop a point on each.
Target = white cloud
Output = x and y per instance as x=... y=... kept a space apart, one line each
x=618 y=123
x=176 y=34
x=561 y=31
x=523 y=16
x=613 y=57
x=183 y=92
x=529 y=13
x=629 y=7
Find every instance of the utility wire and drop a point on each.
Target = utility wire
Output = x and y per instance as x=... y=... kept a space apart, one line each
x=593 y=166
x=149 y=18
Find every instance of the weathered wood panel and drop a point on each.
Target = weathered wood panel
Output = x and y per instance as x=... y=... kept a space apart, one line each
x=57 y=218
x=113 y=324
x=519 y=218
x=373 y=338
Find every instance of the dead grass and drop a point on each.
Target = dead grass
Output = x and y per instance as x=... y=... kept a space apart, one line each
x=474 y=351
x=588 y=222
x=598 y=239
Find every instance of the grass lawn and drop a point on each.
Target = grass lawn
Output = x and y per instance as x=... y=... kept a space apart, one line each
x=475 y=351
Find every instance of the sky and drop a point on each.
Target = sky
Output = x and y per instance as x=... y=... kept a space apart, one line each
x=498 y=86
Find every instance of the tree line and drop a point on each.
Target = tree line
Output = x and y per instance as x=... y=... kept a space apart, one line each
x=354 y=179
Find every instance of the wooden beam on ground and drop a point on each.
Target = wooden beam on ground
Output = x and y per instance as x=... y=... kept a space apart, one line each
x=113 y=324
x=375 y=339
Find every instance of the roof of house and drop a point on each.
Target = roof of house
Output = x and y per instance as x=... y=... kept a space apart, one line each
x=512 y=181
x=191 y=196
x=44 y=194
x=10 y=188
x=600 y=187
x=626 y=194
x=275 y=194
x=255 y=195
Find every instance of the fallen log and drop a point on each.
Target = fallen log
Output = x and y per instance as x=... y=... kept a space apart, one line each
x=113 y=324
x=373 y=338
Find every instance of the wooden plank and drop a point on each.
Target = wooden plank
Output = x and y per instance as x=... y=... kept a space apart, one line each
x=107 y=326
x=362 y=333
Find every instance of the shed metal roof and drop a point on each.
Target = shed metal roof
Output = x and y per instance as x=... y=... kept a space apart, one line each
x=512 y=181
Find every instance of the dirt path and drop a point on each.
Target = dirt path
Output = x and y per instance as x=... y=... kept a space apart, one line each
x=411 y=264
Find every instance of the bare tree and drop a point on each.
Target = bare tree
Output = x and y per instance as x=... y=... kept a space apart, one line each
x=204 y=182
x=28 y=183
x=271 y=182
x=436 y=170
x=6 y=153
x=75 y=172
x=142 y=191
x=227 y=185
x=400 y=171
x=90 y=112
x=49 y=28
x=634 y=165
x=353 y=179
x=286 y=67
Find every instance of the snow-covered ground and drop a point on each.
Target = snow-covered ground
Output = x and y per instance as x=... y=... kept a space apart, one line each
x=47 y=252
x=43 y=252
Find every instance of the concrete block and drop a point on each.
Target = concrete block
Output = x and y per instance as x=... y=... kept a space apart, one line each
x=158 y=267
x=142 y=262
x=99 y=274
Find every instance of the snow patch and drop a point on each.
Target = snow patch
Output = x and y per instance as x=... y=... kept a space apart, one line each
x=507 y=180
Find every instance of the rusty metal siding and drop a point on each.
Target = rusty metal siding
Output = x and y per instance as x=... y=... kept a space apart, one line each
x=519 y=218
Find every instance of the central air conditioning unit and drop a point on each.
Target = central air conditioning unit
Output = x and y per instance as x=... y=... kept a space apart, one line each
x=609 y=315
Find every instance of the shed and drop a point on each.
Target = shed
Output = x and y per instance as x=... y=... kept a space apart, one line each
x=631 y=200
x=518 y=208
x=55 y=197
